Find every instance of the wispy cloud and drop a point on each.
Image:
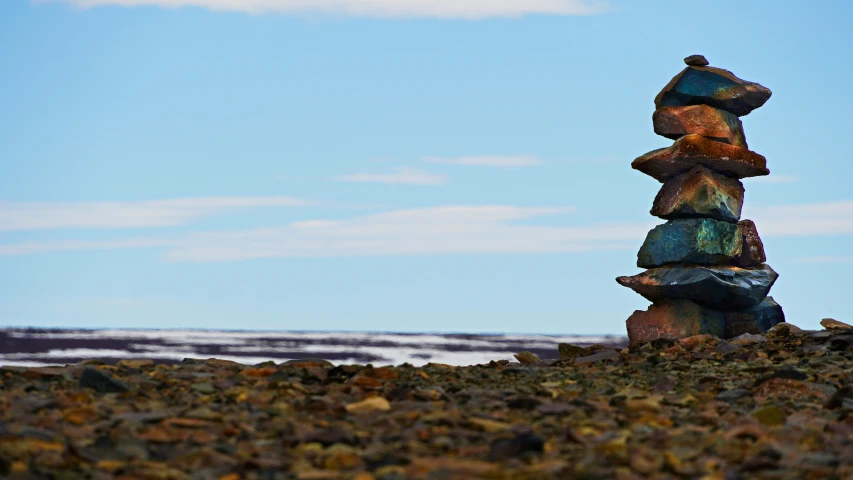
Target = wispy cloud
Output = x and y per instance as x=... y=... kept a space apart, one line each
x=17 y=216
x=488 y=161
x=424 y=231
x=401 y=176
x=775 y=179
x=452 y=229
x=374 y=8
x=829 y=218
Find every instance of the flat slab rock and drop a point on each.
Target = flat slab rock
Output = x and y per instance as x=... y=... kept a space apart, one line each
x=700 y=192
x=714 y=123
x=715 y=287
x=712 y=86
x=691 y=150
x=701 y=241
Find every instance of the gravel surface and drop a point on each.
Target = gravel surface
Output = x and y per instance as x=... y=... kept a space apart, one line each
x=775 y=406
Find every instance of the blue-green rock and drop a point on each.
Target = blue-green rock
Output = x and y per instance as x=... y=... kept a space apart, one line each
x=722 y=288
x=701 y=241
x=715 y=87
x=755 y=320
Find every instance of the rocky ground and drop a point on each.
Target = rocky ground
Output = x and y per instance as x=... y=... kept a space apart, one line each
x=776 y=406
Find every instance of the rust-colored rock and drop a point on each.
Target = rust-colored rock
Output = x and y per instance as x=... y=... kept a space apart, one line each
x=700 y=192
x=710 y=122
x=691 y=150
x=715 y=87
x=752 y=252
x=673 y=320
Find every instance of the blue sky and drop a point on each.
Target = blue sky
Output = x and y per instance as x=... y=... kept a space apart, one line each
x=391 y=165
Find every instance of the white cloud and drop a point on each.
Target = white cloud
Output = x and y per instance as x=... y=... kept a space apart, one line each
x=374 y=8
x=424 y=231
x=774 y=179
x=25 y=248
x=16 y=216
x=442 y=230
x=829 y=218
x=401 y=176
x=488 y=161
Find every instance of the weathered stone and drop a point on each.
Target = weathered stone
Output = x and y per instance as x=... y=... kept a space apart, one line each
x=700 y=192
x=754 y=320
x=101 y=381
x=673 y=320
x=712 y=86
x=696 y=60
x=752 y=251
x=718 y=125
x=527 y=357
x=691 y=150
x=833 y=324
x=701 y=241
x=716 y=287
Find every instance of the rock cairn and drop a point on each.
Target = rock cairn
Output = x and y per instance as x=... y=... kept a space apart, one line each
x=706 y=272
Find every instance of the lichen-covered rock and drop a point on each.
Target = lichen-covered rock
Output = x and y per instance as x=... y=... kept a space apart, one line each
x=752 y=251
x=710 y=122
x=691 y=150
x=673 y=320
x=715 y=287
x=701 y=241
x=700 y=192
x=755 y=320
x=712 y=86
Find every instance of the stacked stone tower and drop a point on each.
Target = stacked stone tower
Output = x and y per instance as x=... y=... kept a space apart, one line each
x=706 y=270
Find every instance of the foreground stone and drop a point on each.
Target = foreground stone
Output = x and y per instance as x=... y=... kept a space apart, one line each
x=701 y=241
x=712 y=86
x=673 y=320
x=691 y=150
x=700 y=192
x=718 y=125
x=754 y=320
x=833 y=324
x=715 y=287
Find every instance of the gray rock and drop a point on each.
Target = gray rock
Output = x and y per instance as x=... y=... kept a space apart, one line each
x=101 y=381
x=716 y=287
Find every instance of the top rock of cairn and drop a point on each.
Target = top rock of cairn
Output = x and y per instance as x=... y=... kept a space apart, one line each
x=696 y=61
x=700 y=84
